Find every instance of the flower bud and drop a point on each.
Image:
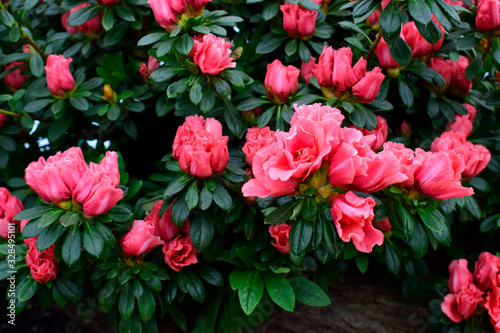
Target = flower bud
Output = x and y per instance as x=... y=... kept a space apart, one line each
x=281 y=81
x=59 y=78
x=298 y=21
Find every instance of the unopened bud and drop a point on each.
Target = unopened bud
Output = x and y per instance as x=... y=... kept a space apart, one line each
x=109 y=94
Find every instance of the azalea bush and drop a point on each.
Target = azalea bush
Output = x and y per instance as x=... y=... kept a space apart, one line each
x=162 y=156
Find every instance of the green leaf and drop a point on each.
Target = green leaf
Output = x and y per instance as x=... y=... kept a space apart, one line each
x=119 y=214
x=474 y=69
x=265 y=117
x=280 y=290
x=60 y=126
x=282 y=214
x=6 y=18
x=406 y=220
x=126 y=301
x=177 y=185
x=205 y=197
x=195 y=93
x=309 y=4
x=431 y=32
x=67 y=288
x=443 y=236
x=405 y=92
x=69 y=219
x=472 y=206
x=92 y=239
x=146 y=304
x=114 y=112
x=82 y=15
x=7 y=143
x=300 y=237
x=222 y=88
x=49 y=218
x=27 y=290
x=31 y=229
x=332 y=240
x=192 y=195
x=37 y=105
x=308 y=292
x=72 y=246
x=108 y=19
x=270 y=11
x=180 y=211
x=268 y=45
x=222 y=197
x=49 y=236
x=210 y=274
x=202 y=230
x=420 y=11
x=390 y=20
x=362 y=262
x=430 y=220
x=14 y=34
x=304 y=52
x=247 y=255
x=309 y=209
x=250 y=104
x=151 y=38
x=250 y=292
x=291 y=47
x=400 y=52
x=184 y=44
x=79 y=103
x=189 y=281
x=36 y=65
x=391 y=258
x=233 y=119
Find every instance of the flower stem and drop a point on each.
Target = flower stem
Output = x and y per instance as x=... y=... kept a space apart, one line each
x=10 y=113
x=374 y=45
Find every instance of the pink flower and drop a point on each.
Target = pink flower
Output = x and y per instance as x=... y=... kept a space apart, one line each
x=324 y=68
x=329 y=118
x=97 y=191
x=3 y=119
x=146 y=70
x=463 y=123
x=454 y=75
x=409 y=162
x=180 y=252
x=43 y=270
x=380 y=131
x=488 y=14
x=463 y=304
x=281 y=81
x=298 y=21
x=486 y=271
x=166 y=11
x=257 y=138
x=492 y=304
x=440 y=174
x=418 y=45
x=367 y=88
x=108 y=2
x=353 y=217
x=460 y=276
x=382 y=171
x=14 y=80
x=10 y=206
x=67 y=175
x=383 y=225
x=59 y=77
x=475 y=157
x=373 y=20
x=212 y=54
x=384 y=56
x=140 y=239
x=200 y=147
x=42 y=265
x=198 y=5
x=344 y=76
x=280 y=234
x=350 y=157
x=308 y=69
x=165 y=227
x=92 y=28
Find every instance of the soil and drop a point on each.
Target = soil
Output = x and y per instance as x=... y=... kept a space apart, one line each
x=357 y=307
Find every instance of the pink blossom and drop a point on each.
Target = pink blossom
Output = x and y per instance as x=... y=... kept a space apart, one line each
x=453 y=73
x=463 y=304
x=164 y=226
x=198 y=5
x=91 y=28
x=440 y=174
x=380 y=131
x=59 y=77
x=281 y=81
x=486 y=271
x=464 y=123
x=368 y=87
x=179 y=252
x=256 y=138
x=212 y=54
x=488 y=14
x=384 y=56
x=308 y=69
x=460 y=276
x=200 y=146
x=280 y=234
x=10 y=206
x=492 y=304
x=140 y=239
x=353 y=217
x=166 y=11
x=409 y=162
x=298 y=21
x=146 y=70
x=14 y=80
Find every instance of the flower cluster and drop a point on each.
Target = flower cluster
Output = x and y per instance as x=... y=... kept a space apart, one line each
x=66 y=180
x=200 y=146
x=42 y=265
x=453 y=73
x=337 y=76
x=470 y=293
x=153 y=231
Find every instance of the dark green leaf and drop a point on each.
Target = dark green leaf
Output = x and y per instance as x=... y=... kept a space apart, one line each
x=222 y=198
x=49 y=218
x=126 y=301
x=202 y=230
x=177 y=185
x=406 y=220
x=420 y=11
x=250 y=291
x=392 y=258
x=49 y=236
x=72 y=246
x=27 y=290
x=36 y=65
x=282 y=214
x=119 y=213
x=390 y=20
x=400 y=52
x=430 y=220
x=308 y=292
x=92 y=239
x=184 y=44
x=37 y=105
x=300 y=237
x=82 y=15
x=474 y=69
x=146 y=304
x=280 y=290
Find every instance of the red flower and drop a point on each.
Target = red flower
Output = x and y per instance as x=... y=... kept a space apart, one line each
x=180 y=252
x=280 y=234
